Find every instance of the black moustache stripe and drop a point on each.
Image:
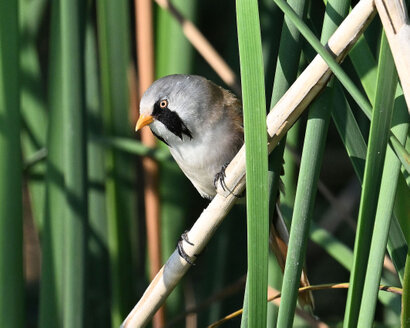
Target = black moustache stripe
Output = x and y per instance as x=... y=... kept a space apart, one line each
x=160 y=138
x=171 y=120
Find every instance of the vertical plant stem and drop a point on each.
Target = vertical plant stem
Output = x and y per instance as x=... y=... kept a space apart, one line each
x=379 y=132
x=98 y=292
x=145 y=55
x=254 y=107
x=285 y=74
x=366 y=68
x=33 y=105
x=72 y=103
x=51 y=291
x=11 y=223
x=113 y=32
x=313 y=148
x=383 y=217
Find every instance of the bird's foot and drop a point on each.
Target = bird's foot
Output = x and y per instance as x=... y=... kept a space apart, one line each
x=181 y=251
x=220 y=177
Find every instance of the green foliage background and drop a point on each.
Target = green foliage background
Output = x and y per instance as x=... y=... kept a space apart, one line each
x=71 y=190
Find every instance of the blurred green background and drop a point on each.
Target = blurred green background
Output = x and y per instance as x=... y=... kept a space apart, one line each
x=72 y=213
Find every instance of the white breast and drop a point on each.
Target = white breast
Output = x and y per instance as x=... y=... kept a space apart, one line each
x=203 y=157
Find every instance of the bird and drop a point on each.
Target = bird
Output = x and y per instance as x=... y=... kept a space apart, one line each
x=202 y=124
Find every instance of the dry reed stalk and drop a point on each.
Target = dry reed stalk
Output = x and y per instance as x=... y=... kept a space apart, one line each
x=274 y=297
x=279 y=120
x=202 y=45
x=145 y=58
x=393 y=14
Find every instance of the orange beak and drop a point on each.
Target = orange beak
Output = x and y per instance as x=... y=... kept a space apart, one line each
x=143 y=121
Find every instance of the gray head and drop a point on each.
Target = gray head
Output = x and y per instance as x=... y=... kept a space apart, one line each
x=174 y=104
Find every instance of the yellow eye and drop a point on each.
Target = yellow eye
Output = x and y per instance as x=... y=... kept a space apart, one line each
x=163 y=104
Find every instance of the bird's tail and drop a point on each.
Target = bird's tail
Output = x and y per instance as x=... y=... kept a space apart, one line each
x=278 y=241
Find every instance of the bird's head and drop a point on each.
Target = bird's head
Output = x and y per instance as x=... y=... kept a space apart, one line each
x=171 y=106
x=175 y=107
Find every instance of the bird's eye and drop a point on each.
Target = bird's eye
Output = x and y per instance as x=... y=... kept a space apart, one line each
x=163 y=104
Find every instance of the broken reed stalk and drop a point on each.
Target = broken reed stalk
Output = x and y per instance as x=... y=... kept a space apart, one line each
x=393 y=14
x=202 y=45
x=279 y=120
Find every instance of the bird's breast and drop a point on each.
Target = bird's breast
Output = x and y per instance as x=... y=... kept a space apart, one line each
x=203 y=157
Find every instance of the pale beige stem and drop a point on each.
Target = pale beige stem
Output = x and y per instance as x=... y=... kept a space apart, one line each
x=393 y=14
x=279 y=120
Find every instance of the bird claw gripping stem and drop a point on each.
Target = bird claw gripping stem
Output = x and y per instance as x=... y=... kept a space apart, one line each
x=220 y=177
x=180 y=248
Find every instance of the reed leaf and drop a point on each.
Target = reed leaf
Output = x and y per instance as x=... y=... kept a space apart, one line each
x=379 y=132
x=384 y=213
x=254 y=108
x=366 y=68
